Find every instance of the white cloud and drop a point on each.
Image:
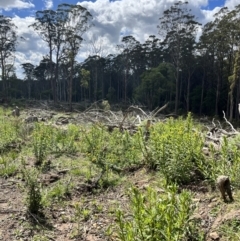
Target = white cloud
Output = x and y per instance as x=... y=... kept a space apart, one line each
x=112 y=20
x=48 y=4
x=232 y=3
x=10 y=4
x=31 y=47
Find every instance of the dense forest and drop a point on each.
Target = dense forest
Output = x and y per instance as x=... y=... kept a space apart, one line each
x=198 y=74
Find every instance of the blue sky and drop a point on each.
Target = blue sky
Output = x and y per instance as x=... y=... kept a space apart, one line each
x=42 y=4
x=112 y=19
x=214 y=3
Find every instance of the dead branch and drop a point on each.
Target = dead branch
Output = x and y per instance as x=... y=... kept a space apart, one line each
x=233 y=129
x=138 y=109
x=160 y=109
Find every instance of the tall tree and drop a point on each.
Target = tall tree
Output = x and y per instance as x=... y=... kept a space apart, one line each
x=84 y=81
x=127 y=46
x=8 y=40
x=177 y=25
x=45 y=26
x=29 y=73
x=77 y=22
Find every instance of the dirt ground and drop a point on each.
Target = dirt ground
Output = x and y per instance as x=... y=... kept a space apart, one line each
x=61 y=223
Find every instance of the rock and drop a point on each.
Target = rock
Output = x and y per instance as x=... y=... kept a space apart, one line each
x=91 y=238
x=16 y=112
x=214 y=236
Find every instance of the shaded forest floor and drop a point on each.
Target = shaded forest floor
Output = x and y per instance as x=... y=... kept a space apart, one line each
x=80 y=211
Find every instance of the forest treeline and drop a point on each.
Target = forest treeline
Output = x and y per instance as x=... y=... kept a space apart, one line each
x=193 y=73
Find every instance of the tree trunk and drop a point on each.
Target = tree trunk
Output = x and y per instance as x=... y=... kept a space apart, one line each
x=188 y=91
x=177 y=90
x=217 y=95
x=202 y=93
x=70 y=83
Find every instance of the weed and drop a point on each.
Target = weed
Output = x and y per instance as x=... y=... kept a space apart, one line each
x=230 y=230
x=9 y=134
x=58 y=192
x=152 y=218
x=175 y=149
x=81 y=214
x=8 y=165
x=34 y=195
x=40 y=140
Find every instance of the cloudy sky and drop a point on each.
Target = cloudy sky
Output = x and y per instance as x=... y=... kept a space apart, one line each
x=112 y=20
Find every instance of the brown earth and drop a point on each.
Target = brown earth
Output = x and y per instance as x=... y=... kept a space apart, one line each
x=61 y=222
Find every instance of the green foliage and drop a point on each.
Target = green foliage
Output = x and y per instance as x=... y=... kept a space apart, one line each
x=46 y=139
x=34 y=194
x=225 y=161
x=85 y=78
x=175 y=148
x=9 y=133
x=81 y=212
x=154 y=217
x=40 y=141
x=58 y=192
x=8 y=165
x=156 y=84
x=110 y=151
x=230 y=229
x=63 y=141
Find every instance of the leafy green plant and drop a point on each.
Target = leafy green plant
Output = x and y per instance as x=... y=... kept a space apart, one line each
x=34 y=194
x=9 y=134
x=110 y=151
x=153 y=217
x=41 y=138
x=225 y=161
x=230 y=229
x=8 y=166
x=81 y=214
x=63 y=142
x=175 y=149
x=58 y=192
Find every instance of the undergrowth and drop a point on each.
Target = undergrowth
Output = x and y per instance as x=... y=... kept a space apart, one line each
x=153 y=217
x=98 y=158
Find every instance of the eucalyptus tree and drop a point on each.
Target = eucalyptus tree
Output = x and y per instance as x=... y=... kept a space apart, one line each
x=109 y=76
x=42 y=74
x=45 y=26
x=138 y=66
x=29 y=75
x=221 y=39
x=84 y=82
x=8 y=41
x=128 y=43
x=153 y=51
x=233 y=24
x=188 y=59
x=217 y=37
x=76 y=22
x=177 y=25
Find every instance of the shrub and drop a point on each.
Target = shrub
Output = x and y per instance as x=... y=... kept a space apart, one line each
x=153 y=217
x=175 y=149
x=34 y=195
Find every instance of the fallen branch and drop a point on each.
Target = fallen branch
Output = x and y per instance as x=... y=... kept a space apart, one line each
x=224 y=117
x=160 y=109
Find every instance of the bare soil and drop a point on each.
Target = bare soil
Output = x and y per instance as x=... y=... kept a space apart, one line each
x=61 y=223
